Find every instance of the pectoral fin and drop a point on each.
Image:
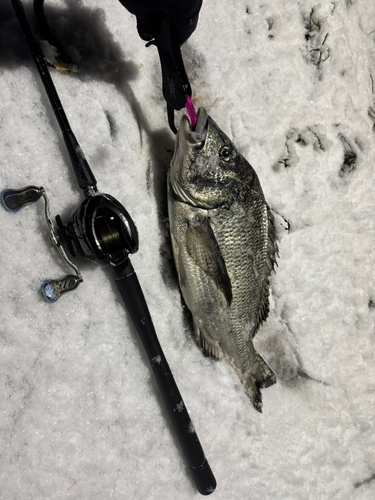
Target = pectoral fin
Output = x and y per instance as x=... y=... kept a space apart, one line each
x=205 y=252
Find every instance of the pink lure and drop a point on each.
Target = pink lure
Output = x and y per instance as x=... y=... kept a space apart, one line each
x=192 y=114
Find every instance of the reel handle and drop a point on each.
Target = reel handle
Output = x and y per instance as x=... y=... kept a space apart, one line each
x=14 y=199
x=131 y=292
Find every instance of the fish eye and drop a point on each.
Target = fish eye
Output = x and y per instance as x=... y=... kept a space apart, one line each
x=225 y=153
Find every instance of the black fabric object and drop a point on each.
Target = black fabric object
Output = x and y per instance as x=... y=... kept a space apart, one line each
x=151 y=13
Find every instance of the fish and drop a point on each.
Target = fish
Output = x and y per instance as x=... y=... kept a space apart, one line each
x=224 y=247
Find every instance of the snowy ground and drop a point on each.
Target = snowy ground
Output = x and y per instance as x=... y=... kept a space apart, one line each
x=291 y=82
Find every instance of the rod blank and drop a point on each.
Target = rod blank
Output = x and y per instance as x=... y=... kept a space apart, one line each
x=85 y=177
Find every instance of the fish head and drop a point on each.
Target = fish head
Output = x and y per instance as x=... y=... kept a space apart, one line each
x=206 y=169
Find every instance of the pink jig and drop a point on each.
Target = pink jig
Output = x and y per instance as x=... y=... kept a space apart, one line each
x=192 y=114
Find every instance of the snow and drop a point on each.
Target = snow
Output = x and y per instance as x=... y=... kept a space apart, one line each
x=80 y=414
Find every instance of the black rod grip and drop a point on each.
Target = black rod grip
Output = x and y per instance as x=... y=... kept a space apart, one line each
x=131 y=292
x=83 y=172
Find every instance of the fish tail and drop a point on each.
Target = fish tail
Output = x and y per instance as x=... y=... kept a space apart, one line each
x=257 y=377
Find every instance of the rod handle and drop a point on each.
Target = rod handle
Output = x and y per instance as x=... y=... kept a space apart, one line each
x=131 y=292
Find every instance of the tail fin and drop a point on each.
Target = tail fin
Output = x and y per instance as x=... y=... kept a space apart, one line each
x=258 y=376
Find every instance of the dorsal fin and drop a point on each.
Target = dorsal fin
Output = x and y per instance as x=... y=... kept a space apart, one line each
x=272 y=253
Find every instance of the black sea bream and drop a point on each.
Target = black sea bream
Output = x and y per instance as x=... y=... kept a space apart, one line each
x=224 y=246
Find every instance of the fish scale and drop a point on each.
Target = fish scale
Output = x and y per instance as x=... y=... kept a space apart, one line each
x=224 y=246
x=235 y=237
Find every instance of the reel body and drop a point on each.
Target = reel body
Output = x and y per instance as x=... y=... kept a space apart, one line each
x=99 y=227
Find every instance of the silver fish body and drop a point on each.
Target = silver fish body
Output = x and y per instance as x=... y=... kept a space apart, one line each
x=224 y=246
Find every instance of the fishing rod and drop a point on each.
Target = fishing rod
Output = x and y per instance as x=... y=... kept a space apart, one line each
x=102 y=231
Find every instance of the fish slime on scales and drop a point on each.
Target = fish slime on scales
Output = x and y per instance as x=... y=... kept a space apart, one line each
x=224 y=245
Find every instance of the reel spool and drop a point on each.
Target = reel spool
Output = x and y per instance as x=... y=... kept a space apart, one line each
x=99 y=227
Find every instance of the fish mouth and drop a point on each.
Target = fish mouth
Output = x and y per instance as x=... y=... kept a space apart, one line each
x=197 y=137
x=189 y=143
